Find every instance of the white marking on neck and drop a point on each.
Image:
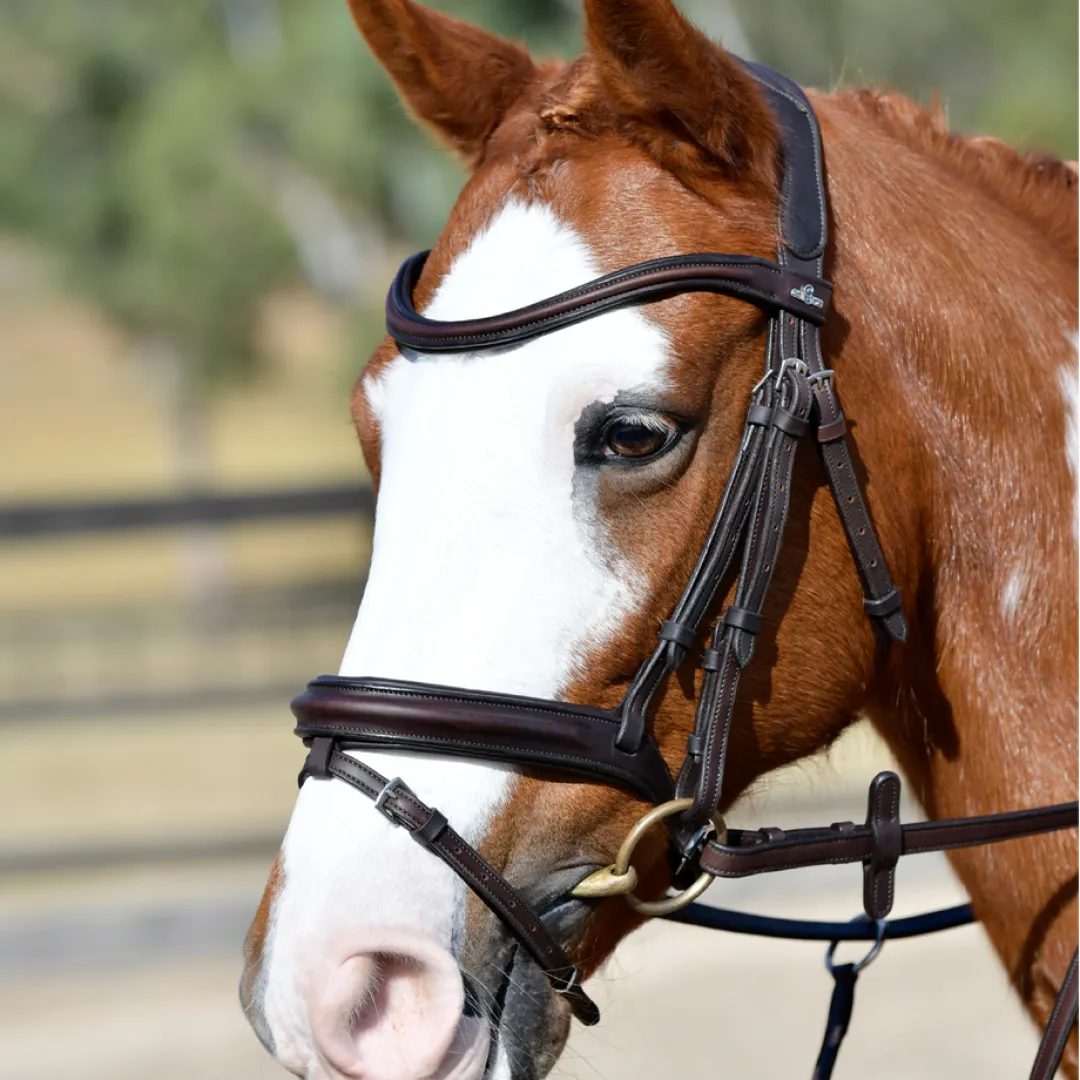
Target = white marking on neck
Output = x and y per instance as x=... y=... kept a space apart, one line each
x=1013 y=592
x=1070 y=388
x=481 y=576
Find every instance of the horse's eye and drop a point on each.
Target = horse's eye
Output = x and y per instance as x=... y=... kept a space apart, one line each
x=638 y=437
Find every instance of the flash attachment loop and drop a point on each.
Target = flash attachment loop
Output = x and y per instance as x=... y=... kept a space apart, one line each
x=676 y=632
x=742 y=619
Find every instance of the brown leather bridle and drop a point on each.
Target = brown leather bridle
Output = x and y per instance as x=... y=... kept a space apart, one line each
x=795 y=397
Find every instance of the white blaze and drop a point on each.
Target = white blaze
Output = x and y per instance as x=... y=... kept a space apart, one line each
x=481 y=576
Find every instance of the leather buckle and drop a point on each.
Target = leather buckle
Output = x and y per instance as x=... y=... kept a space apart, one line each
x=390 y=789
x=823 y=376
x=800 y=367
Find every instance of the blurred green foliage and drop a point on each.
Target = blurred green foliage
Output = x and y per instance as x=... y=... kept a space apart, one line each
x=180 y=160
x=156 y=149
x=1000 y=67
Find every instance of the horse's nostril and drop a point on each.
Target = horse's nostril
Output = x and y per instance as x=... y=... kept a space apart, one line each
x=392 y=1008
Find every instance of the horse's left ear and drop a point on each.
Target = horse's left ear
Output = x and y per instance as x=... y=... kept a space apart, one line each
x=679 y=91
x=457 y=79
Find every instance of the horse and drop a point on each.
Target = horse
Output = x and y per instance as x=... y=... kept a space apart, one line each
x=540 y=506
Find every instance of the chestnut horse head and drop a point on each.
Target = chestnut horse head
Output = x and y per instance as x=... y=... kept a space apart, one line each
x=540 y=508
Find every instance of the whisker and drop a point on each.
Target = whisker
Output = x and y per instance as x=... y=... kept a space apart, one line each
x=529 y=994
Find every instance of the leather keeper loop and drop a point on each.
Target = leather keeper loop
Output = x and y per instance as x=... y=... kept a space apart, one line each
x=431 y=830
x=883 y=820
x=677 y=632
x=759 y=415
x=831 y=432
x=318 y=760
x=789 y=423
x=742 y=619
x=883 y=606
x=710 y=660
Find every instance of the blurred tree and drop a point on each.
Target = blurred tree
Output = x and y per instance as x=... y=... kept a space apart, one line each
x=1000 y=67
x=184 y=160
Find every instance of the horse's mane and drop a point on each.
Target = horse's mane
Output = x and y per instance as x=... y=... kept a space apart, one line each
x=1039 y=188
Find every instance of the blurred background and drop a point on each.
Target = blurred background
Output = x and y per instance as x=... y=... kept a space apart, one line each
x=200 y=207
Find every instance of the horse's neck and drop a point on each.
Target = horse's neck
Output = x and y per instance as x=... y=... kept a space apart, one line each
x=960 y=359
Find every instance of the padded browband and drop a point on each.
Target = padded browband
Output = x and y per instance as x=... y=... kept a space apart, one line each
x=744 y=277
x=570 y=740
x=804 y=235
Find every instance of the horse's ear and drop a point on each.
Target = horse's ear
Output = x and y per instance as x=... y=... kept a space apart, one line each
x=457 y=79
x=664 y=76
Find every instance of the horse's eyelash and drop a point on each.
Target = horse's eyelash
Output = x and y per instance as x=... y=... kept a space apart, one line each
x=654 y=422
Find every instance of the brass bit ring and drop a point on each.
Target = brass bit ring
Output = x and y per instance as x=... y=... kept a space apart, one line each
x=620 y=878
